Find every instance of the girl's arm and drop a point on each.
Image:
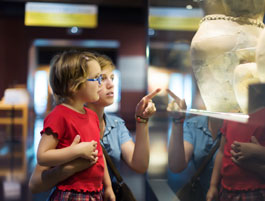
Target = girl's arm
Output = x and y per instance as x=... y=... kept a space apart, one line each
x=259 y=168
x=250 y=156
x=44 y=178
x=243 y=151
x=179 y=151
x=137 y=154
x=108 y=191
x=48 y=155
x=216 y=175
x=253 y=165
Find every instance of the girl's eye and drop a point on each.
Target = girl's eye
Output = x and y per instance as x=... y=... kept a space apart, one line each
x=105 y=77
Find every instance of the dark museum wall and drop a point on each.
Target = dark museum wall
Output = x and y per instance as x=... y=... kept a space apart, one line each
x=126 y=25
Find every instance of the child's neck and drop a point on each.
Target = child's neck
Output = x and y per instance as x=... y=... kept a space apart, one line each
x=78 y=107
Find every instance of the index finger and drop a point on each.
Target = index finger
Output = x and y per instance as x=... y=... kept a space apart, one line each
x=153 y=94
x=176 y=98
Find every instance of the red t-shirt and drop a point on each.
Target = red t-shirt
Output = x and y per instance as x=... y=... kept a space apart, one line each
x=234 y=177
x=67 y=123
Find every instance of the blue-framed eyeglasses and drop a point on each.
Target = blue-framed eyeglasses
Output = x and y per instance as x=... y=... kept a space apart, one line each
x=99 y=79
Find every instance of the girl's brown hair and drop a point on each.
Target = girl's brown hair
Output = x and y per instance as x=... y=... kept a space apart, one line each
x=69 y=71
x=104 y=61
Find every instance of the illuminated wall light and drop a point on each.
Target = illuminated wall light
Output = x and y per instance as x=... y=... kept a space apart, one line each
x=61 y=15
x=74 y=30
x=151 y=32
x=168 y=18
x=40 y=92
x=189 y=7
x=117 y=93
x=147 y=51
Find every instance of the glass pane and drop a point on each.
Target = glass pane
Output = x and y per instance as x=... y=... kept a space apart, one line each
x=210 y=53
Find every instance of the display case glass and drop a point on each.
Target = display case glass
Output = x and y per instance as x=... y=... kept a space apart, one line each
x=218 y=69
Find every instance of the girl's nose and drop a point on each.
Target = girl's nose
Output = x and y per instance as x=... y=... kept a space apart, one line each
x=110 y=83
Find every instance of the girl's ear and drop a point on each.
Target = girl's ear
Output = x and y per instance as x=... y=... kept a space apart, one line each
x=74 y=88
x=71 y=91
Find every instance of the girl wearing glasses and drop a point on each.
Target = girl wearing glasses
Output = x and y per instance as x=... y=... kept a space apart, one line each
x=115 y=137
x=75 y=80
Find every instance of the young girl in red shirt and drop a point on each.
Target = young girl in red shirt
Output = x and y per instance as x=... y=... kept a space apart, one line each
x=237 y=183
x=75 y=80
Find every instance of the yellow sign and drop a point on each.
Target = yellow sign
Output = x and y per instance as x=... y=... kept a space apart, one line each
x=166 y=23
x=61 y=15
x=174 y=19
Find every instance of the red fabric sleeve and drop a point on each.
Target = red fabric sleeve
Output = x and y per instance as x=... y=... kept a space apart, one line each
x=54 y=123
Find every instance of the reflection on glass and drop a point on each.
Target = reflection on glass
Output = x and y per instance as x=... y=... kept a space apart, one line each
x=223 y=85
x=157 y=78
x=165 y=18
x=240 y=161
x=181 y=85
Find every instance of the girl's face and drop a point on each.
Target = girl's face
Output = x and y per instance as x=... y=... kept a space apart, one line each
x=89 y=91
x=106 y=93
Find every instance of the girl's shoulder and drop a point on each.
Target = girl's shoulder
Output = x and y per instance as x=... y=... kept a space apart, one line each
x=113 y=119
x=57 y=112
x=197 y=121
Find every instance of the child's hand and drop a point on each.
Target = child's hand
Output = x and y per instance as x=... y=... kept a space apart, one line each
x=88 y=150
x=242 y=151
x=109 y=194
x=78 y=164
x=212 y=194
